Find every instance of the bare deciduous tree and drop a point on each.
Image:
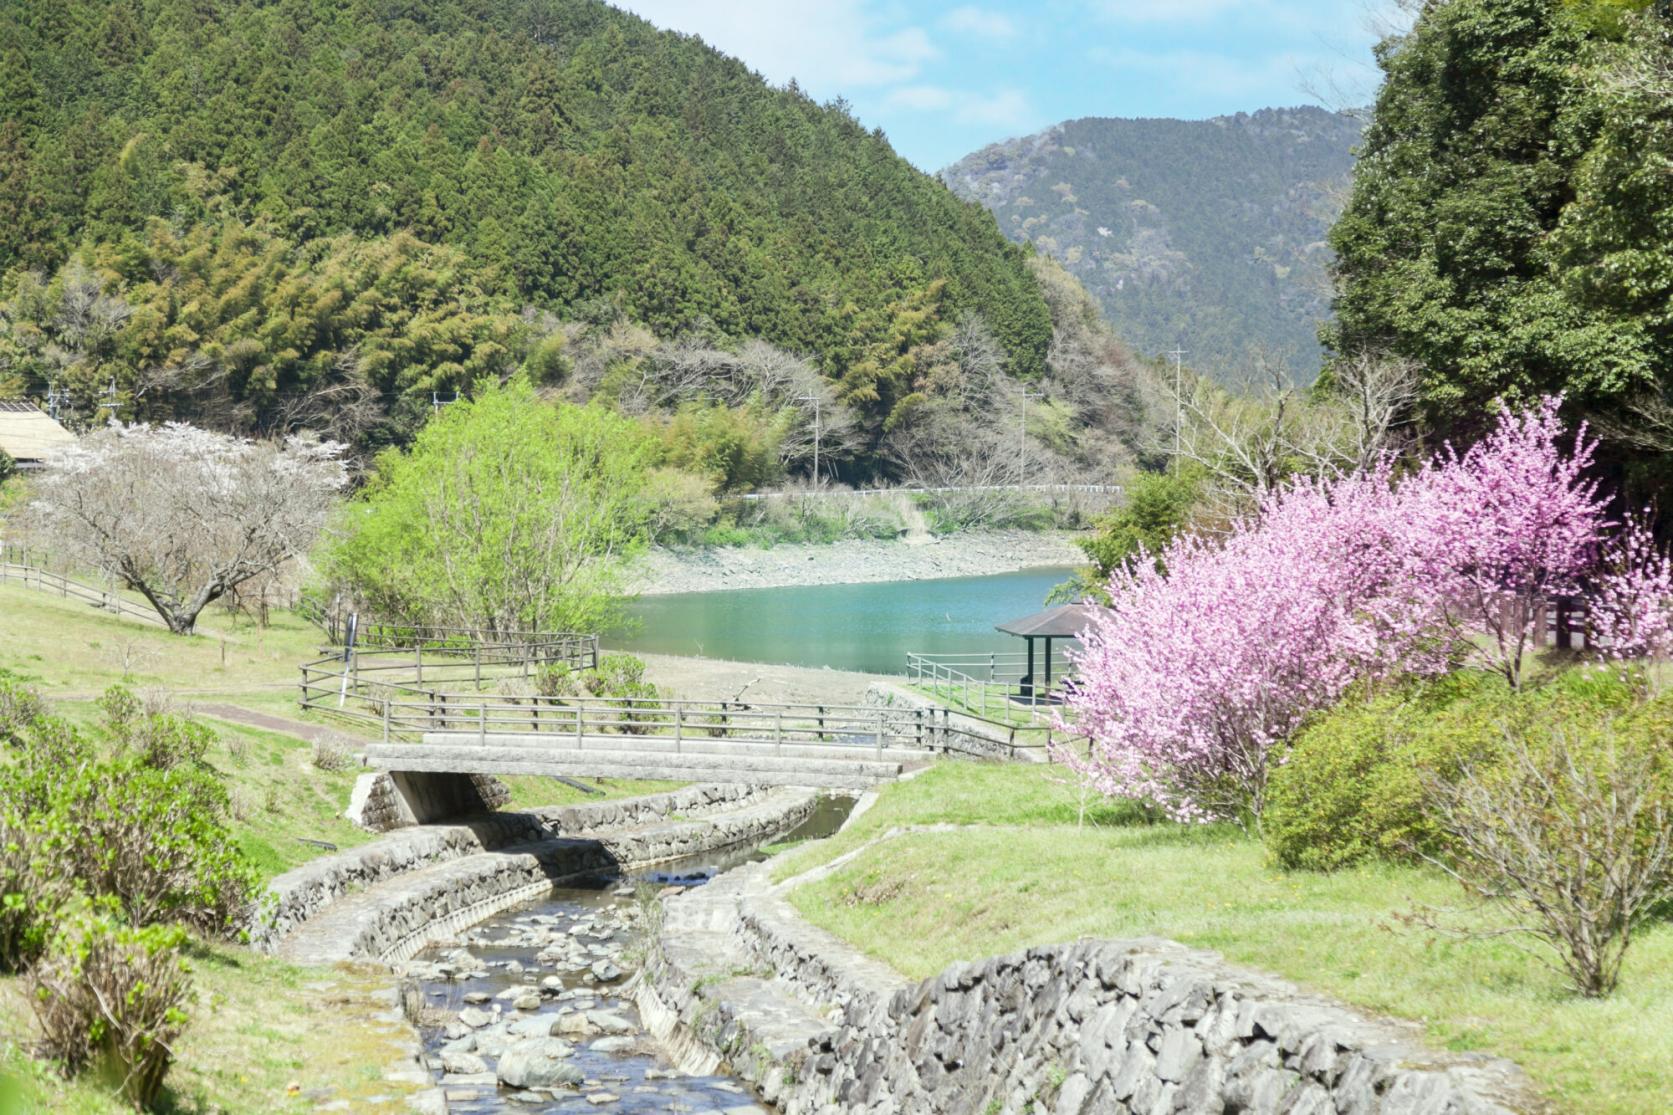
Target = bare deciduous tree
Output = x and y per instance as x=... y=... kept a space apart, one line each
x=1374 y=394
x=648 y=377
x=183 y=515
x=1250 y=439
x=1575 y=843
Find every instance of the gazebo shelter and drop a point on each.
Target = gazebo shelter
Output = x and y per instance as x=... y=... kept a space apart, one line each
x=1065 y=621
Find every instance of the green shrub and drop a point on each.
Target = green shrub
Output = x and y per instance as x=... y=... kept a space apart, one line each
x=42 y=756
x=157 y=841
x=29 y=892
x=161 y=738
x=20 y=706
x=621 y=677
x=557 y=680
x=1355 y=784
x=112 y=998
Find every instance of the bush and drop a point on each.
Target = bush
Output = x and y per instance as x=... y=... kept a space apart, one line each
x=112 y=998
x=333 y=753
x=1355 y=784
x=20 y=706
x=45 y=753
x=556 y=681
x=28 y=895
x=156 y=841
x=1570 y=836
x=621 y=677
x=161 y=738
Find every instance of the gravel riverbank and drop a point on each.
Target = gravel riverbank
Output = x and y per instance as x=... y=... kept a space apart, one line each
x=972 y=554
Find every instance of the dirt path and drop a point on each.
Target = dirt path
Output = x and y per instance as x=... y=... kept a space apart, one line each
x=313 y=733
x=713 y=678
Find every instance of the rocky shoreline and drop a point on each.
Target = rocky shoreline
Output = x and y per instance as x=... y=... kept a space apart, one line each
x=856 y=561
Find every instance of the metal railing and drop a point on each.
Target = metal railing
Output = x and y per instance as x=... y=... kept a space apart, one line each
x=32 y=576
x=799 y=493
x=408 y=693
x=988 y=685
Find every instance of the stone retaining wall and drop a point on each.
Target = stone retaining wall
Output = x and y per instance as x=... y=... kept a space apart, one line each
x=1091 y=1027
x=300 y=893
x=403 y=915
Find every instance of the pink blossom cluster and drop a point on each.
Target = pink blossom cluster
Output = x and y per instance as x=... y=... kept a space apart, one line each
x=1631 y=604
x=1191 y=678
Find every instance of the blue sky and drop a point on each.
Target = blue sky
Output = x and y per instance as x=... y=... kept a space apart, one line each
x=944 y=79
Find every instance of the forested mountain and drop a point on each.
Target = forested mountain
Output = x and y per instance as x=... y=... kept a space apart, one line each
x=1208 y=234
x=232 y=206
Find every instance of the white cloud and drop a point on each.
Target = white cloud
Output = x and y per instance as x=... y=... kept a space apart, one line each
x=1007 y=108
x=920 y=98
x=980 y=22
x=1167 y=11
x=827 y=47
x=1218 y=75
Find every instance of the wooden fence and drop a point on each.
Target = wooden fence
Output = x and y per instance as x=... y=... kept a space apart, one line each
x=407 y=692
x=31 y=576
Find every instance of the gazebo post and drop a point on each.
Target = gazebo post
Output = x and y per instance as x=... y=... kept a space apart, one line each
x=1065 y=621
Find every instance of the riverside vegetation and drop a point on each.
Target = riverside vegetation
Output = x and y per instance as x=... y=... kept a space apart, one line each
x=249 y=1026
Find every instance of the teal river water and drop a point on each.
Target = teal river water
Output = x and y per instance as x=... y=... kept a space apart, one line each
x=847 y=627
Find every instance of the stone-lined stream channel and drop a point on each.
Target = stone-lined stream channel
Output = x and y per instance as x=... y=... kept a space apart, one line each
x=529 y=1011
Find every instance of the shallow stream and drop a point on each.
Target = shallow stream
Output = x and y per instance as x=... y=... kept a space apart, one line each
x=536 y=995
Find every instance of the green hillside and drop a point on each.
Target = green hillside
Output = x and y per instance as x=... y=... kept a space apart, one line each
x=426 y=171
x=1204 y=233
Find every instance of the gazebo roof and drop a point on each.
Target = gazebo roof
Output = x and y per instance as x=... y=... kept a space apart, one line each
x=1065 y=621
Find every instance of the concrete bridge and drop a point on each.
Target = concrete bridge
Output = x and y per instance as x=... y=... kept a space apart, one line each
x=757 y=762
x=442 y=715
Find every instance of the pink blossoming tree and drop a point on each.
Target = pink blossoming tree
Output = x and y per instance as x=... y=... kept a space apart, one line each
x=1632 y=598
x=1192 y=678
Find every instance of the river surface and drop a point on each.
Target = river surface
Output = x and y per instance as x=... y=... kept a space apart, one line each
x=620 y=1068
x=869 y=627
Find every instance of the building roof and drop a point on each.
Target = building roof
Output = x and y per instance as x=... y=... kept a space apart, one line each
x=1065 y=621
x=27 y=434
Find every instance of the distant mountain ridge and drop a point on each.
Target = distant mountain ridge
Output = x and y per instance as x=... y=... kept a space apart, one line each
x=1204 y=234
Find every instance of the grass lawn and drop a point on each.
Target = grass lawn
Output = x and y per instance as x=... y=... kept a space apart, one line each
x=65 y=647
x=258 y=1027
x=1023 y=873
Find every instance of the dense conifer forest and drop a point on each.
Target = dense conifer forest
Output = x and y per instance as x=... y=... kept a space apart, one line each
x=251 y=202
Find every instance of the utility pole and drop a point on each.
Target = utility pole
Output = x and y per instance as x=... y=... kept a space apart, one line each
x=814 y=399
x=110 y=401
x=1178 y=355
x=1022 y=435
x=437 y=402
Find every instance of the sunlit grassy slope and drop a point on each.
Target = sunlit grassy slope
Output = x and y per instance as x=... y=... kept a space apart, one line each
x=1020 y=871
